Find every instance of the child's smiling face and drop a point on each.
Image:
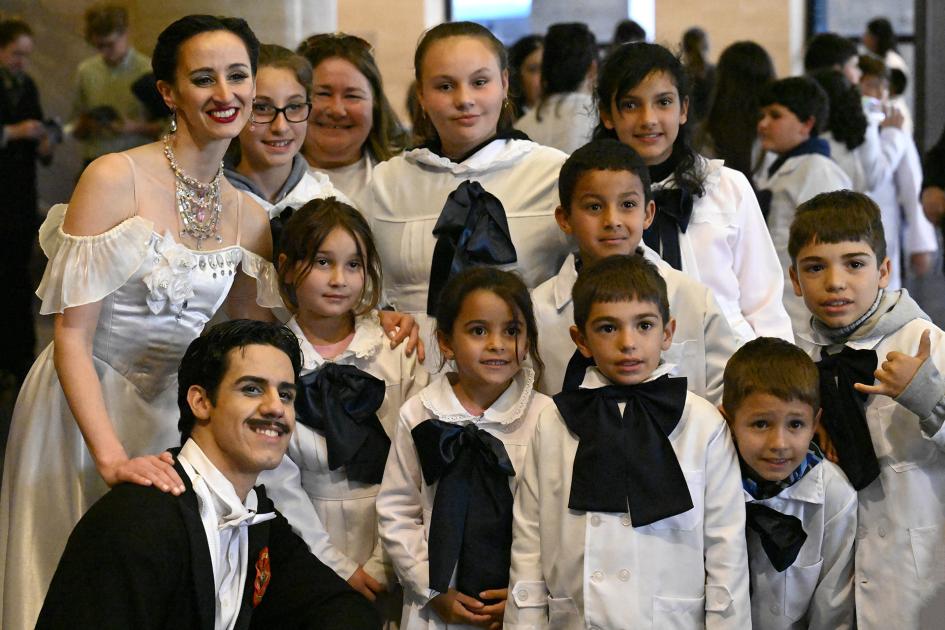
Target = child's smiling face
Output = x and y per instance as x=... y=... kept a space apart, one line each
x=838 y=281
x=772 y=434
x=626 y=339
x=607 y=215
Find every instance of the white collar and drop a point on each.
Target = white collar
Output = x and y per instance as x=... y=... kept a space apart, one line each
x=809 y=488
x=594 y=378
x=496 y=155
x=439 y=398
x=313 y=185
x=202 y=472
x=711 y=172
x=563 y=282
x=367 y=341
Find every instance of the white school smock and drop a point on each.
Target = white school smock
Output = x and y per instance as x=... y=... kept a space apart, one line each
x=873 y=160
x=311 y=186
x=702 y=344
x=405 y=504
x=333 y=514
x=567 y=121
x=727 y=248
x=410 y=190
x=817 y=590
x=907 y=229
x=353 y=180
x=900 y=541
x=798 y=179
x=573 y=569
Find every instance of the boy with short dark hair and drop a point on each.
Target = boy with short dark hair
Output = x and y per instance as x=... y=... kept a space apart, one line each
x=829 y=50
x=881 y=362
x=801 y=510
x=606 y=205
x=793 y=112
x=630 y=511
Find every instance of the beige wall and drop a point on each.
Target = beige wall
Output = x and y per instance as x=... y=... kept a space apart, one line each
x=393 y=28
x=778 y=25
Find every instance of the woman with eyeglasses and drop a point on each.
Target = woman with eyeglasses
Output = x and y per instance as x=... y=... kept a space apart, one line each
x=352 y=126
x=266 y=161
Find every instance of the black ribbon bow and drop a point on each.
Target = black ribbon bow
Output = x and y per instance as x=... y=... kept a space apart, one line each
x=844 y=416
x=673 y=211
x=472 y=230
x=782 y=535
x=574 y=373
x=341 y=402
x=471 y=525
x=627 y=462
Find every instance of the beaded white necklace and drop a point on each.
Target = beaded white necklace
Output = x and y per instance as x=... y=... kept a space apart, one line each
x=199 y=205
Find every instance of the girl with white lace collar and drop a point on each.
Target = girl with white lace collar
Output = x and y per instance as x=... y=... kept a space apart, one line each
x=474 y=170
x=445 y=507
x=708 y=223
x=352 y=386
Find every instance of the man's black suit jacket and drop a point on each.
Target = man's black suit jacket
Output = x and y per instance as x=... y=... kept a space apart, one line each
x=139 y=559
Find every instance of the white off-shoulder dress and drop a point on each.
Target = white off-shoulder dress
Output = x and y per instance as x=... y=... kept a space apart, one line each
x=156 y=297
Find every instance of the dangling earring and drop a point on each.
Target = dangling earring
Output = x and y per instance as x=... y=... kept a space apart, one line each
x=173 y=121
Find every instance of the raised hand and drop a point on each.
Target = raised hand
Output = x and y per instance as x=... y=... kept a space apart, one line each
x=895 y=373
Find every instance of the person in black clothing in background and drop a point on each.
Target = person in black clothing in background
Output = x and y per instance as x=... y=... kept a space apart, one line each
x=23 y=139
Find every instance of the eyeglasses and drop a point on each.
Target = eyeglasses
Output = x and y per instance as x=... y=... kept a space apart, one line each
x=265 y=113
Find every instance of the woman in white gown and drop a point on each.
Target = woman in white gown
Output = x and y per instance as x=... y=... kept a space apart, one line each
x=153 y=242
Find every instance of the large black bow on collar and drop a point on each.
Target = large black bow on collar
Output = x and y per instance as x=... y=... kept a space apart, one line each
x=472 y=230
x=341 y=402
x=782 y=535
x=471 y=525
x=627 y=461
x=673 y=211
x=844 y=416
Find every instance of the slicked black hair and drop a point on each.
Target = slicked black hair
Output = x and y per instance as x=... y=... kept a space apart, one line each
x=169 y=42
x=207 y=359
x=803 y=96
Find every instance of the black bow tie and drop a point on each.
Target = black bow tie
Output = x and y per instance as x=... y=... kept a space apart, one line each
x=782 y=535
x=627 y=462
x=341 y=402
x=471 y=524
x=472 y=230
x=844 y=416
x=574 y=373
x=673 y=211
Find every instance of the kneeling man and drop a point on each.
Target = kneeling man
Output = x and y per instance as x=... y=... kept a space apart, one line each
x=218 y=556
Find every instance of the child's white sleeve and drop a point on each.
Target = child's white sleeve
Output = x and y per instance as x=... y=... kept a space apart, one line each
x=756 y=265
x=919 y=234
x=527 y=608
x=880 y=155
x=400 y=516
x=925 y=394
x=832 y=604
x=284 y=487
x=727 y=606
x=720 y=345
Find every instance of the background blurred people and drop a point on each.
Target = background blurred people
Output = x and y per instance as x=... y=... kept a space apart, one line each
x=730 y=129
x=106 y=115
x=695 y=55
x=565 y=116
x=23 y=140
x=525 y=73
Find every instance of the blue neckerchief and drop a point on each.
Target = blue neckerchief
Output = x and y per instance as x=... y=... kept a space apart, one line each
x=761 y=489
x=815 y=145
